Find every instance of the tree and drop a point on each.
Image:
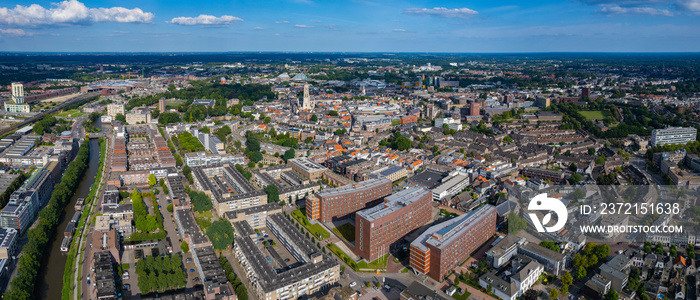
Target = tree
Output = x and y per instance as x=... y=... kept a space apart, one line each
x=515 y=223
x=611 y=295
x=553 y=293
x=673 y=250
x=567 y=279
x=600 y=160
x=333 y=113
x=580 y=273
x=564 y=289
x=200 y=201
x=221 y=234
x=575 y=178
x=314 y=118
x=120 y=117
x=573 y=167
x=647 y=247
x=170 y=207
x=550 y=245
x=289 y=154
x=222 y=132
x=273 y=194
x=185 y=247
x=188 y=173
x=578 y=194
x=152 y=180
x=267 y=120
x=659 y=249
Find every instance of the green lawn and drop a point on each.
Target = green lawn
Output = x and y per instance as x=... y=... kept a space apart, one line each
x=592 y=114
x=346 y=231
x=317 y=230
x=404 y=270
x=464 y=296
x=380 y=263
x=73 y=113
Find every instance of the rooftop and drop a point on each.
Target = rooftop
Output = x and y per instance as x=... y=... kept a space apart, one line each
x=444 y=233
x=394 y=203
x=352 y=188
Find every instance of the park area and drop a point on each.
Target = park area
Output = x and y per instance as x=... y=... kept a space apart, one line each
x=315 y=229
x=593 y=114
x=346 y=231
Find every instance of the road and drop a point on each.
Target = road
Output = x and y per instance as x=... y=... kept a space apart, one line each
x=56 y=108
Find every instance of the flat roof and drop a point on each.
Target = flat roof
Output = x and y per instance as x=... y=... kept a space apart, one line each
x=428 y=179
x=355 y=187
x=268 y=277
x=446 y=232
x=307 y=164
x=394 y=202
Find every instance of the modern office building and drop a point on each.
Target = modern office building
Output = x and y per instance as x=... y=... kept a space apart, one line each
x=330 y=204
x=442 y=247
x=673 y=135
x=17 y=93
x=380 y=227
x=8 y=243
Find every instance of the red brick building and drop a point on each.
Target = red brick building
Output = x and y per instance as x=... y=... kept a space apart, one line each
x=439 y=249
x=409 y=119
x=331 y=204
x=380 y=227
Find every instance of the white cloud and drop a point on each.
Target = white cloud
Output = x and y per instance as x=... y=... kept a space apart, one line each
x=302 y=26
x=399 y=30
x=206 y=20
x=282 y=22
x=690 y=5
x=650 y=11
x=13 y=32
x=258 y=28
x=442 y=12
x=70 y=12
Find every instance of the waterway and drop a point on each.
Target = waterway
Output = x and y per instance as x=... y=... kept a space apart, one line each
x=50 y=281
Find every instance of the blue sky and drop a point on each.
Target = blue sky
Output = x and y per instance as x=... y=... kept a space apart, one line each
x=352 y=26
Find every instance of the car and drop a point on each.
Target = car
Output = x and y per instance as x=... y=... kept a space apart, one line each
x=353 y=284
x=191 y=270
x=125 y=273
x=126 y=277
x=127 y=286
x=195 y=279
x=286 y=260
x=189 y=260
x=88 y=282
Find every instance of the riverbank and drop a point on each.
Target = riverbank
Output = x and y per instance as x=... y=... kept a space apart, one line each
x=71 y=267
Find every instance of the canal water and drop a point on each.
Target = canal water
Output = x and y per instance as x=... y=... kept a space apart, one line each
x=50 y=281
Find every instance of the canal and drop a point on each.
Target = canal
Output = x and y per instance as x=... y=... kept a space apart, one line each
x=50 y=281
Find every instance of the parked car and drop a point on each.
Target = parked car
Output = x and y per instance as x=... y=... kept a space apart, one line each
x=127 y=286
x=353 y=284
x=191 y=270
x=189 y=260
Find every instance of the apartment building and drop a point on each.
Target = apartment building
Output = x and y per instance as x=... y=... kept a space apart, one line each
x=442 y=247
x=307 y=168
x=380 y=227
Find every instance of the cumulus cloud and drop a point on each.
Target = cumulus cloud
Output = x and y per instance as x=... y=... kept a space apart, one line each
x=13 y=32
x=302 y=26
x=442 y=12
x=70 y=12
x=650 y=11
x=689 y=5
x=206 y=20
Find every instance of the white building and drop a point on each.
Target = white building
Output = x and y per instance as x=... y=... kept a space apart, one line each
x=522 y=273
x=451 y=123
x=673 y=135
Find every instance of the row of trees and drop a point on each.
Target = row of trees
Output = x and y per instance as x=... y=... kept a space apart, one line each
x=142 y=220
x=592 y=255
x=157 y=274
x=22 y=286
x=235 y=281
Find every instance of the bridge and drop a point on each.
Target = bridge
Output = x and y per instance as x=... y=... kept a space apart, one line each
x=96 y=135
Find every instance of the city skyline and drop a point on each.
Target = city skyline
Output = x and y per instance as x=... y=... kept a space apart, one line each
x=352 y=26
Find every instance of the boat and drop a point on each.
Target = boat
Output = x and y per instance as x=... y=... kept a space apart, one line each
x=65 y=245
x=79 y=204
